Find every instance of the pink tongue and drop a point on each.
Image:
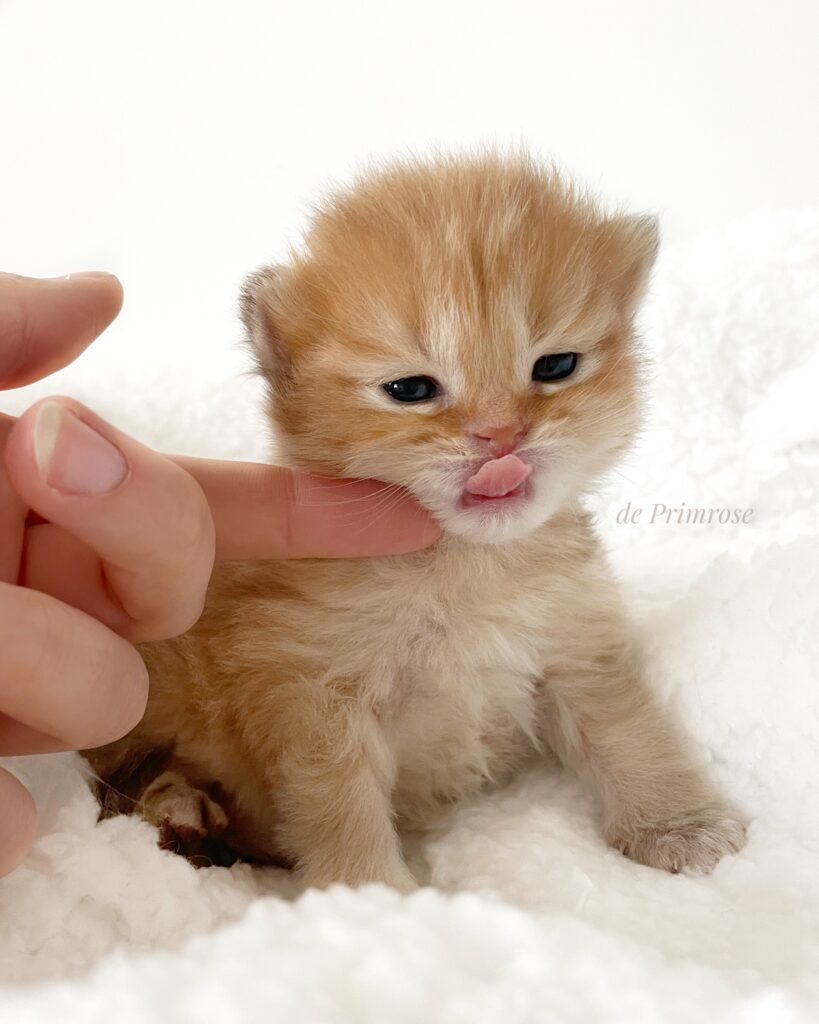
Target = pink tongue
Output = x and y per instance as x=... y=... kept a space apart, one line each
x=498 y=477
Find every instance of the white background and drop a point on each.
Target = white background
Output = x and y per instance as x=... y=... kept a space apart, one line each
x=180 y=143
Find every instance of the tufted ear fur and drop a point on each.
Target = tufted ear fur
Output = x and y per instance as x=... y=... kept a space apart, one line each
x=259 y=305
x=628 y=248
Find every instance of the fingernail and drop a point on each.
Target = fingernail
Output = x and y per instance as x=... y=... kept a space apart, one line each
x=94 y=274
x=71 y=457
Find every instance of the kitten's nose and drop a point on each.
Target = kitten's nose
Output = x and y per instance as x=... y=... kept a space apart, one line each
x=501 y=440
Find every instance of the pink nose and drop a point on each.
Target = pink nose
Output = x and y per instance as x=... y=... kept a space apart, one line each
x=501 y=440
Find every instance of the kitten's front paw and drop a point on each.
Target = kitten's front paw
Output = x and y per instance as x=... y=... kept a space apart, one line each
x=697 y=841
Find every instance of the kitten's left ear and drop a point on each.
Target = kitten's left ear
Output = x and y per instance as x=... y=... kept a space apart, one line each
x=628 y=248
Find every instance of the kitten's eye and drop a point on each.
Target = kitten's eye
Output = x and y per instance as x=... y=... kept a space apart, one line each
x=412 y=389
x=556 y=367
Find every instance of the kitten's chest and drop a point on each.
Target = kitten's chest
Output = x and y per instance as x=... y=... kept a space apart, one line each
x=462 y=704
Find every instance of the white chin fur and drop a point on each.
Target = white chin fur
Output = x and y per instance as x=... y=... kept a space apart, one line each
x=501 y=524
x=470 y=525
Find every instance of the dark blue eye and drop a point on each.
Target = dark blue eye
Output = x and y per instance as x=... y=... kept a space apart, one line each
x=412 y=389
x=556 y=367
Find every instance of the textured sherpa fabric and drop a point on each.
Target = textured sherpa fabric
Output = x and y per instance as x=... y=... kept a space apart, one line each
x=530 y=917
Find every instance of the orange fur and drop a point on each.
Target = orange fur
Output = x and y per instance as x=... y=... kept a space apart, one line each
x=331 y=701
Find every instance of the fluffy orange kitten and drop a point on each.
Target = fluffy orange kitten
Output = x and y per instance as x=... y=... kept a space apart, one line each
x=462 y=329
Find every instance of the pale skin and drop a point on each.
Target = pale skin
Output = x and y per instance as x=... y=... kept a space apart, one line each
x=105 y=543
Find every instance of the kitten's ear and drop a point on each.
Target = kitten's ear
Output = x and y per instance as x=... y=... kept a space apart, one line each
x=260 y=307
x=628 y=245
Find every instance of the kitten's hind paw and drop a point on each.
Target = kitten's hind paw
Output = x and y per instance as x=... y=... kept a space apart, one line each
x=696 y=842
x=189 y=820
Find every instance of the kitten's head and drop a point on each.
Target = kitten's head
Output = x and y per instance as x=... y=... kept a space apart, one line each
x=461 y=328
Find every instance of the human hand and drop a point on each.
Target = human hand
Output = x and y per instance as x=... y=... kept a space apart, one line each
x=104 y=542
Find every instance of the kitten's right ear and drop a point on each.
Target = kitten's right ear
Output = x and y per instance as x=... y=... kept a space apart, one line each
x=259 y=305
x=628 y=249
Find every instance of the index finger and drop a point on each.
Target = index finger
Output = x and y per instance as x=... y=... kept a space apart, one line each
x=262 y=511
x=46 y=323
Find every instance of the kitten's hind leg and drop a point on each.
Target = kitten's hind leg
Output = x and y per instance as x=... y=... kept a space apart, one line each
x=131 y=778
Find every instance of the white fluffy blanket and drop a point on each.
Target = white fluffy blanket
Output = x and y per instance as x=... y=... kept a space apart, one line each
x=529 y=916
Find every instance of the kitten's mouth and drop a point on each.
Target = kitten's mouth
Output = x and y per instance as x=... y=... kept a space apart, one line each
x=497 y=483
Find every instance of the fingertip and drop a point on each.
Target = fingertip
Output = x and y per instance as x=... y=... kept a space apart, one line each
x=104 y=291
x=131 y=700
x=431 y=532
x=417 y=532
x=46 y=322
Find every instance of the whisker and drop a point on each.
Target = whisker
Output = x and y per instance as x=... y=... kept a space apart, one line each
x=386 y=490
x=387 y=508
x=89 y=773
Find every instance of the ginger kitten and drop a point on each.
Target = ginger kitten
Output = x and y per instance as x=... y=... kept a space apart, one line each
x=462 y=329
